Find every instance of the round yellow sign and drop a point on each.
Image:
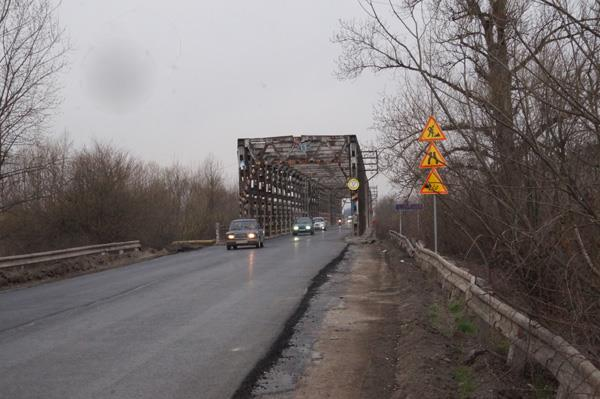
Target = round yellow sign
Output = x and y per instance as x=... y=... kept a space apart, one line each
x=353 y=184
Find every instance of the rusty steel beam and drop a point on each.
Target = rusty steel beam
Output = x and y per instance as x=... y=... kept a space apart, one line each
x=281 y=178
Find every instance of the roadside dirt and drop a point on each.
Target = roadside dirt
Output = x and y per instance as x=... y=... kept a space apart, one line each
x=18 y=277
x=382 y=329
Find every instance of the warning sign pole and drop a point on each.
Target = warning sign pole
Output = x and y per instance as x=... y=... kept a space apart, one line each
x=435 y=240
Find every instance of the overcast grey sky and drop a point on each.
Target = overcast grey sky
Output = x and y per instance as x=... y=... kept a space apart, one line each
x=175 y=81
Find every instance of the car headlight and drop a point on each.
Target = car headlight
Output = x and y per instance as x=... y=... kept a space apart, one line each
x=295 y=227
x=307 y=227
x=251 y=235
x=230 y=236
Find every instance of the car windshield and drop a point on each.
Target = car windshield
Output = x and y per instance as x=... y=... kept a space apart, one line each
x=318 y=219
x=242 y=225
x=303 y=220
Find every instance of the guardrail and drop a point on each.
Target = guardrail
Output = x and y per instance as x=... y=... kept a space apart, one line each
x=49 y=256
x=577 y=376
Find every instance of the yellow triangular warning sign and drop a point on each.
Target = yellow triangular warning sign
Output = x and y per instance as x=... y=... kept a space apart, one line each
x=433 y=184
x=432 y=131
x=433 y=158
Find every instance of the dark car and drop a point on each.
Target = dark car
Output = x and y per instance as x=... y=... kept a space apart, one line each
x=303 y=225
x=245 y=232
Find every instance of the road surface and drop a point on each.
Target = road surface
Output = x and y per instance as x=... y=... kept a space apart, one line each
x=190 y=325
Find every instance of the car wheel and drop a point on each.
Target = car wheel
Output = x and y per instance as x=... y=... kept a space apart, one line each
x=228 y=247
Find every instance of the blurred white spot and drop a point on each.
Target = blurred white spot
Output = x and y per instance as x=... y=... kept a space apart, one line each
x=119 y=74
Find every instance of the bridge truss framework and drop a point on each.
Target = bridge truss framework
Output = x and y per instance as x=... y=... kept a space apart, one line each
x=281 y=178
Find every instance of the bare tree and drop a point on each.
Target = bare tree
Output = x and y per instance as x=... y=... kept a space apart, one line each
x=31 y=55
x=516 y=83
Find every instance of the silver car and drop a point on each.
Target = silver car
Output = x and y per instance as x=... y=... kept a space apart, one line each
x=245 y=232
x=319 y=223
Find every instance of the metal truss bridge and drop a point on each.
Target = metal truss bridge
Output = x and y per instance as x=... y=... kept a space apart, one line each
x=281 y=178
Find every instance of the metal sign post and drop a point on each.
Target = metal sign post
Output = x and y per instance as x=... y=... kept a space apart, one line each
x=400 y=222
x=402 y=207
x=435 y=238
x=353 y=185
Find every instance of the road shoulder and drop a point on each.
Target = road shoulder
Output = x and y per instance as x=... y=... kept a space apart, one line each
x=382 y=329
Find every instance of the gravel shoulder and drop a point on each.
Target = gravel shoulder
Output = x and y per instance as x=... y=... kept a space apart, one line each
x=380 y=328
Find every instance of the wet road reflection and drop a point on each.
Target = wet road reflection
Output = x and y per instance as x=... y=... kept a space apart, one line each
x=251 y=256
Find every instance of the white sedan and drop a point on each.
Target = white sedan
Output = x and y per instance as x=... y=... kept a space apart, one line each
x=320 y=223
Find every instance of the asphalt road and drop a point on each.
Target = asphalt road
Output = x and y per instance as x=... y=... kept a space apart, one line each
x=190 y=325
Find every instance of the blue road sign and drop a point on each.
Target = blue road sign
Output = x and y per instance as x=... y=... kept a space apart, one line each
x=409 y=207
